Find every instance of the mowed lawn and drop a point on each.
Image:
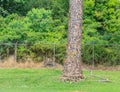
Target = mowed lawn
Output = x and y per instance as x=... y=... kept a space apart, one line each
x=48 y=80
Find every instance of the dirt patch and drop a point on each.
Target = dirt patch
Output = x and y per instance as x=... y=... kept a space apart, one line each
x=108 y=67
x=10 y=63
x=101 y=67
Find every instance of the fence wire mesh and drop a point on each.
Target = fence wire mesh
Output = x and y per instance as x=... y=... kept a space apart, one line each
x=92 y=54
x=51 y=53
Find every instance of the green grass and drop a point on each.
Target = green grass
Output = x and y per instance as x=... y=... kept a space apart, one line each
x=47 y=80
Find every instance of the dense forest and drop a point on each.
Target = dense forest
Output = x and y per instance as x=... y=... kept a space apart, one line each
x=46 y=21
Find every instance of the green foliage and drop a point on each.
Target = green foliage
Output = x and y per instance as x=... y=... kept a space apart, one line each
x=14 y=30
x=46 y=21
x=101 y=54
x=39 y=51
x=41 y=20
x=101 y=17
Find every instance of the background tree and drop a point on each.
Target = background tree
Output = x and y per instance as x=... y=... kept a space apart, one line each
x=72 y=68
x=46 y=21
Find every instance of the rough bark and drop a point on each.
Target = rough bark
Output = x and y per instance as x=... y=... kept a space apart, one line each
x=72 y=68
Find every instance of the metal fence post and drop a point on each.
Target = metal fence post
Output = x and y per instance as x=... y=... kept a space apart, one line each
x=15 y=52
x=7 y=52
x=93 y=59
x=93 y=62
x=54 y=52
x=0 y=57
x=0 y=54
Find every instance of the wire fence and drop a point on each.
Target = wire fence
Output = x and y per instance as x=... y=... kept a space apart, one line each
x=52 y=53
x=92 y=54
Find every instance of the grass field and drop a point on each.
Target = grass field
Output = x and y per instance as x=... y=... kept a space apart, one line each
x=47 y=80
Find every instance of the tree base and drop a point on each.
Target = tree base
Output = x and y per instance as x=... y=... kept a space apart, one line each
x=72 y=72
x=72 y=78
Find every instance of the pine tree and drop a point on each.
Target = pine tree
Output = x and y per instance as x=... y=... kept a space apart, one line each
x=72 y=67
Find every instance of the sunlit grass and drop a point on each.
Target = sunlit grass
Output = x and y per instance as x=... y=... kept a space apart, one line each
x=48 y=80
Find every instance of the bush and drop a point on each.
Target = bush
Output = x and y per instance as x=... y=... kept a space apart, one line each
x=103 y=54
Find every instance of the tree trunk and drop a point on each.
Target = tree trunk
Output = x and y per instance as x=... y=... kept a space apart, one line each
x=72 y=68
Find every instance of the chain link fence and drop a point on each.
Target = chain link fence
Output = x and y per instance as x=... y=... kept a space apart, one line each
x=92 y=54
x=50 y=54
